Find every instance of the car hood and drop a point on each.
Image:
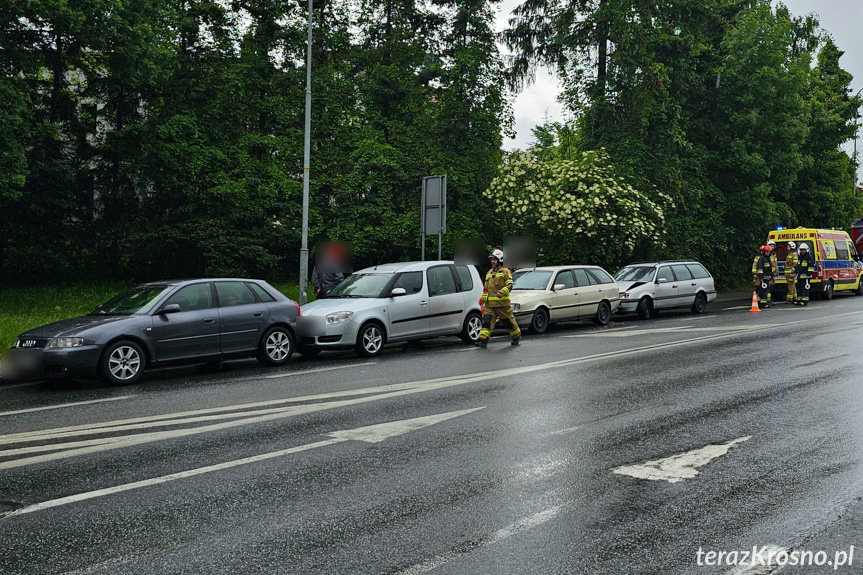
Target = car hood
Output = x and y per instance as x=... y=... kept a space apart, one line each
x=628 y=286
x=74 y=326
x=524 y=296
x=326 y=306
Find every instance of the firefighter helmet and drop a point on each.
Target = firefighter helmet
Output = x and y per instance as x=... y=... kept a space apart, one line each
x=804 y=247
x=771 y=243
x=496 y=254
x=792 y=246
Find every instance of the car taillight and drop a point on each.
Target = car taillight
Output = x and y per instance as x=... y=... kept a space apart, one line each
x=299 y=313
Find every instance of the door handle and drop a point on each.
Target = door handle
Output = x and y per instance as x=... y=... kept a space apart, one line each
x=693 y=284
x=209 y=320
x=260 y=313
x=424 y=303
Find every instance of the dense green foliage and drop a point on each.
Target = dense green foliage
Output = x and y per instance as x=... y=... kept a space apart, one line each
x=715 y=104
x=147 y=139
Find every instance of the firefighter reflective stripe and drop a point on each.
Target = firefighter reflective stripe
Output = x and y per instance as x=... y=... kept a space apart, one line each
x=498 y=281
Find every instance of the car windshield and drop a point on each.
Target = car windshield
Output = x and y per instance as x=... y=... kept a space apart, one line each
x=635 y=274
x=363 y=285
x=531 y=279
x=138 y=300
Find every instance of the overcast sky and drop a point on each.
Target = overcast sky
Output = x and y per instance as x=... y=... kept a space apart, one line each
x=842 y=19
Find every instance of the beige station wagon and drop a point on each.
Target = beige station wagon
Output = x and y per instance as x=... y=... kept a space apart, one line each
x=545 y=295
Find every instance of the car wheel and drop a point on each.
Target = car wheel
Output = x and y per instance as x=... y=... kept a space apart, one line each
x=122 y=363
x=539 y=321
x=645 y=308
x=472 y=327
x=827 y=293
x=603 y=313
x=276 y=346
x=859 y=290
x=370 y=340
x=700 y=303
x=308 y=352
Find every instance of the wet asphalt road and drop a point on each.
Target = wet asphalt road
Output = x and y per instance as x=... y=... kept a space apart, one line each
x=498 y=461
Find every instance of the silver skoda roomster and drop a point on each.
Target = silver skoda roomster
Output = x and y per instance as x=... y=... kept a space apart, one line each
x=394 y=302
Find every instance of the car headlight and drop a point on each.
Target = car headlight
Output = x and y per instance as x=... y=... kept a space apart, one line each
x=516 y=306
x=339 y=317
x=624 y=295
x=66 y=342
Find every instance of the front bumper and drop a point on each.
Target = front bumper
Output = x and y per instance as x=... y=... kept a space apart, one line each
x=33 y=364
x=315 y=333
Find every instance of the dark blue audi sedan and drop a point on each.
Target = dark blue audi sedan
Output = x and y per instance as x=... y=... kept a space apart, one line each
x=161 y=324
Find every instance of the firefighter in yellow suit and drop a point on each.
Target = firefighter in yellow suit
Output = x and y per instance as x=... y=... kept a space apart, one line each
x=790 y=273
x=498 y=283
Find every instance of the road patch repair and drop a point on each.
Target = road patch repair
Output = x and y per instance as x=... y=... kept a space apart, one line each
x=678 y=467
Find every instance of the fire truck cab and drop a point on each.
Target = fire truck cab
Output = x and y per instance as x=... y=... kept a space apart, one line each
x=835 y=261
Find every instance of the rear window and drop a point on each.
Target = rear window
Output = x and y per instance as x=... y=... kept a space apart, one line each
x=464 y=278
x=682 y=272
x=261 y=292
x=601 y=275
x=698 y=271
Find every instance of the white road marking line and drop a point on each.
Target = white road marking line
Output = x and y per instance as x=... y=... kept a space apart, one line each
x=687 y=328
x=605 y=419
x=696 y=317
x=319 y=370
x=62 y=405
x=678 y=467
x=737 y=307
x=513 y=529
x=369 y=434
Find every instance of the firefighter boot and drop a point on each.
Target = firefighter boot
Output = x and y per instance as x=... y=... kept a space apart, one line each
x=481 y=343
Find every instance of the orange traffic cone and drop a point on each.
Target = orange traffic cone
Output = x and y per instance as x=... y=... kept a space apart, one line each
x=754 y=302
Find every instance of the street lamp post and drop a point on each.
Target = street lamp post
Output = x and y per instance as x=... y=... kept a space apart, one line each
x=854 y=185
x=304 y=246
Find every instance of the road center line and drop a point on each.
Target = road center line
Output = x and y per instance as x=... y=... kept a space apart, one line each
x=322 y=369
x=62 y=405
x=530 y=522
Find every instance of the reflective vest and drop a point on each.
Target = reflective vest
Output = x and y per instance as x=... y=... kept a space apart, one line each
x=805 y=265
x=498 y=283
x=791 y=263
x=762 y=267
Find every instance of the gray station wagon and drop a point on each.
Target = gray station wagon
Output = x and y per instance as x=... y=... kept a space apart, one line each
x=648 y=287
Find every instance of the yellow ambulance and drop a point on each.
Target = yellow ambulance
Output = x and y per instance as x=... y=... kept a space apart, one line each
x=835 y=261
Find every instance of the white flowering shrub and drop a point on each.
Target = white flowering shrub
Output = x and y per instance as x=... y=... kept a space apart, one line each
x=576 y=209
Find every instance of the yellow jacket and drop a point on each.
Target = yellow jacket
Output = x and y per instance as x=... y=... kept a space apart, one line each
x=498 y=283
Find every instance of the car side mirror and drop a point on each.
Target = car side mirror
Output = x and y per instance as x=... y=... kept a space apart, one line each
x=170 y=308
x=558 y=287
x=398 y=292
x=662 y=280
